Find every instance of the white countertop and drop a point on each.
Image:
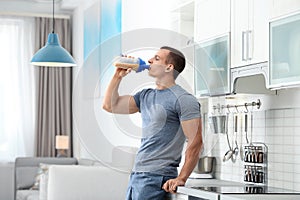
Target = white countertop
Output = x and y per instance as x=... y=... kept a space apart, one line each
x=211 y=182
x=258 y=196
x=187 y=190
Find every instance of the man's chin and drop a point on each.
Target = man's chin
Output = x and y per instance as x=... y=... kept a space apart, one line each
x=149 y=73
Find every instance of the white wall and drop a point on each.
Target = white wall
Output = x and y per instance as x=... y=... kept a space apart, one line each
x=78 y=52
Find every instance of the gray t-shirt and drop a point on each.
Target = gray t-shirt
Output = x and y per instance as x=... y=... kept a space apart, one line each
x=162 y=136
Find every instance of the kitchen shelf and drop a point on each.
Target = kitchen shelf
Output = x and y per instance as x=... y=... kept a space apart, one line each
x=255 y=164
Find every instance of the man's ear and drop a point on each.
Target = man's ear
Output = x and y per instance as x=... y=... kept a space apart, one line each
x=169 y=68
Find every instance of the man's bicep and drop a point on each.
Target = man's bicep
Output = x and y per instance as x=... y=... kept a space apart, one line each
x=192 y=130
x=133 y=108
x=126 y=105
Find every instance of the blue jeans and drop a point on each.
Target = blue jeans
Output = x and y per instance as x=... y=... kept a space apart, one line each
x=146 y=186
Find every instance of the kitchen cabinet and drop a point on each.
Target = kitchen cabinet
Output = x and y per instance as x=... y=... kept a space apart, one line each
x=183 y=18
x=284 y=63
x=212 y=18
x=279 y=8
x=211 y=67
x=212 y=47
x=249 y=32
x=183 y=23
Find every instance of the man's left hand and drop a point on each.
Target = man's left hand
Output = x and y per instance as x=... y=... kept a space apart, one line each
x=171 y=185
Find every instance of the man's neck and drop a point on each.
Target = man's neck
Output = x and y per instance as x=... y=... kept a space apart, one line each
x=161 y=85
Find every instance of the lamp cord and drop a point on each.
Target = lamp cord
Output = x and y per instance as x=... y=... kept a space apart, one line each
x=53 y=17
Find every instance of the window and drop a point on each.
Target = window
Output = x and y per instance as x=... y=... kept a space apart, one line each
x=17 y=96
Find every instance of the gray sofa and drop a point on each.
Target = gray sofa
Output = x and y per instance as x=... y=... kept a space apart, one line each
x=26 y=169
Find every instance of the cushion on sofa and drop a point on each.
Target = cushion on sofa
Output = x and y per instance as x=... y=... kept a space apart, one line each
x=26 y=169
x=86 y=182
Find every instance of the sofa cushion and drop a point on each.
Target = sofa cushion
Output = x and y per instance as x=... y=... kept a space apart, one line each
x=86 y=182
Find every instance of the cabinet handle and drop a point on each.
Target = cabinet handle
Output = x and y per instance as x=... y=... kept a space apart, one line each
x=244 y=48
x=249 y=44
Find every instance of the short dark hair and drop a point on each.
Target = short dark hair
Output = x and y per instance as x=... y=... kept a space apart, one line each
x=175 y=58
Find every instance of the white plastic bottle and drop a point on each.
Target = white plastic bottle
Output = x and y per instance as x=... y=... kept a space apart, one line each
x=137 y=64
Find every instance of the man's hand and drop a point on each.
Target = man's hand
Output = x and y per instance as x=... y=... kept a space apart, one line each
x=171 y=185
x=122 y=72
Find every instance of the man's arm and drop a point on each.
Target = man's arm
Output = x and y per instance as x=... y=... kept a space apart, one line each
x=193 y=132
x=115 y=103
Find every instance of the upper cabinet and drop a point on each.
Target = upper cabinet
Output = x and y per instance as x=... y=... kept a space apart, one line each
x=183 y=23
x=279 y=8
x=249 y=32
x=183 y=18
x=246 y=37
x=284 y=61
x=212 y=67
x=212 y=47
x=212 y=19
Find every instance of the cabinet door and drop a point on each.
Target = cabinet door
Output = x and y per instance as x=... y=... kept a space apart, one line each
x=183 y=18
x=239 y=28
x=212 y=67
x=212 y=18
x=259 y=31
x=284 y=64
x=279 y=8
x=249 y=32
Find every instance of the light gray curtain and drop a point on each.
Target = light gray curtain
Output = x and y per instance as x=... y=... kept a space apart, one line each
x=54 y=91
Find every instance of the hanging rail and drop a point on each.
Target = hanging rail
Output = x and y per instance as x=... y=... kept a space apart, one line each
x=246 y=105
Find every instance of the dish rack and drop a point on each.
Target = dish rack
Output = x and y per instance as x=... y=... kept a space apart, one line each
x=256 y=164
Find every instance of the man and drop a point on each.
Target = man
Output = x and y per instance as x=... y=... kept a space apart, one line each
x=170 y=115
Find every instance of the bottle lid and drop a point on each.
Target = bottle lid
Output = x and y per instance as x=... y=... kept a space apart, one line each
x=142 y=66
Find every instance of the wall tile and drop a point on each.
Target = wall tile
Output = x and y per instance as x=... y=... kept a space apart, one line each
x=297 y=130
x=297 y=112
x=289 y=112
x=269 y=123
x=296 y=178
x=278 y=131
x=289 y=168
x=296 y=186
x=278 y=122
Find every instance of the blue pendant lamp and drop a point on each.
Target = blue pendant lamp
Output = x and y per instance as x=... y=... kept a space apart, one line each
x=53 y=54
